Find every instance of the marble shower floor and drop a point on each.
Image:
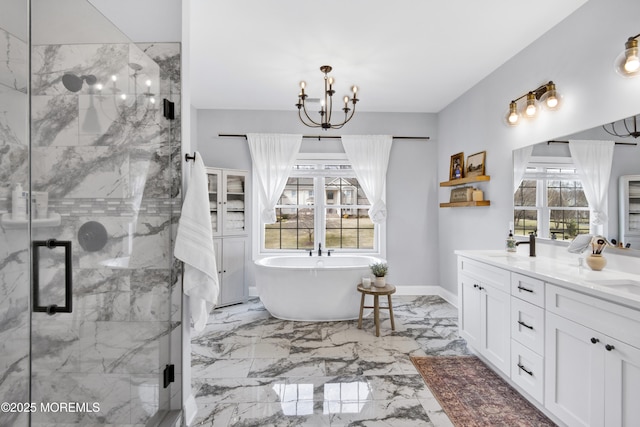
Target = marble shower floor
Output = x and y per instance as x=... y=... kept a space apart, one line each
x=251 y=369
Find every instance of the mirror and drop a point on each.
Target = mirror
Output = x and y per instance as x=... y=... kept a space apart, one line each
x=567 y=210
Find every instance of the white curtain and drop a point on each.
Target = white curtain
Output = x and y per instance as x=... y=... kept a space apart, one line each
x=369 y=157
x=520 y=160
x=273 y=157
x=593 y=164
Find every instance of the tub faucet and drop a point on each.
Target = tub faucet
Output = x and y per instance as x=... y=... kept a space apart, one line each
x=531 y=243
x=319 y=249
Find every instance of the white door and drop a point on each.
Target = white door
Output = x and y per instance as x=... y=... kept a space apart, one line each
x=496 y=327
x=470 y=311
x=217 y=247
x=234 y=252
x=622 y=384
x=574 y=372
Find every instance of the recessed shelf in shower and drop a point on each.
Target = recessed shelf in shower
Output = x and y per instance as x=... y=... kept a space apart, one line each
x=12 y=224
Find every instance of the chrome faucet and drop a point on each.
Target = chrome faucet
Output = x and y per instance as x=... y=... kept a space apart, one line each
x=319 y=249
x=531 y=243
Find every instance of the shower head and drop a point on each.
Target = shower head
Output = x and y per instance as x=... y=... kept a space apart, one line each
x=73 y=83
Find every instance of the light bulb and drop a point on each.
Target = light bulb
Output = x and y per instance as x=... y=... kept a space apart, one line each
x=123 y=96
x=331 y=81
x=551 y=100
x=512 y=116
x=531 y=109
x=632 y=64
x=354 y=89
x=114 y=78
x=346 y=99
x=303 y=85
x=322 y=103
x=99 y=86
x=148 y=83
x=627 y=64
x=152 y=100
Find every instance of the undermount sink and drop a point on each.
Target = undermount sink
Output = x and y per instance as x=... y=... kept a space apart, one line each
x=625 y=285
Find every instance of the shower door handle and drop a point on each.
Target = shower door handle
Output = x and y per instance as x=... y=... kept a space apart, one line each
x=68 y=274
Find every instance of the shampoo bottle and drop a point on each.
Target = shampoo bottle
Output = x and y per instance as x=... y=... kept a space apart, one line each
x=18 y=203
x=511 y=243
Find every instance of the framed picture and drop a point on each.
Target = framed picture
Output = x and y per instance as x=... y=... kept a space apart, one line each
x=456 y=170
x=475 y=164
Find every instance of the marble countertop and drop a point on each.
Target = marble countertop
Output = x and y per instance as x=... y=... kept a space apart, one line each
x=615 y=286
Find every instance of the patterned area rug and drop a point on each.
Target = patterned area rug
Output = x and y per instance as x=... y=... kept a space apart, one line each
x=473 y=395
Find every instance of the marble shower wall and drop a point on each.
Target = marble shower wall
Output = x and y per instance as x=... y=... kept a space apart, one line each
x=111 y=160
x=14 y=244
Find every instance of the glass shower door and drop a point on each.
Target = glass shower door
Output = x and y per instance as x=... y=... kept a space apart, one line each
x=88 y=275
x=14 y=240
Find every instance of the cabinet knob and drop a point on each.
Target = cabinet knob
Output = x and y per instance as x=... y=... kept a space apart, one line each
x=475 y=285
x=481 y=288
x=609 y=347
x=595 y=340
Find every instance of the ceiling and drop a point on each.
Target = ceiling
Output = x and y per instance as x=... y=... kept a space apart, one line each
x=405 y=55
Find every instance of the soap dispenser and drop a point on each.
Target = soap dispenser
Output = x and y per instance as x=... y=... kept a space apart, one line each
x=511 y=243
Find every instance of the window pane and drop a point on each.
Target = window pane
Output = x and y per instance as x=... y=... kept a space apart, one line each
x=338 y=167
x=525 y=222
x=293 y=230
x=567 y=224
x=566 y=194
x=298 y=191
x=348 y=228
x=526 y=194
x=344 y=191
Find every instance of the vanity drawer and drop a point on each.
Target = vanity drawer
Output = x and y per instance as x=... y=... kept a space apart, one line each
x=487 y=274
x=615 y=320
x=527 y=370
x=528 y=289
x=527 y=325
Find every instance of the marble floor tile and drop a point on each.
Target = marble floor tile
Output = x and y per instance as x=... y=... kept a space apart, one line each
x=251 y=369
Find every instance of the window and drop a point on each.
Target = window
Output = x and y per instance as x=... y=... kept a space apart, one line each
x=322 y=203
x=551 y=202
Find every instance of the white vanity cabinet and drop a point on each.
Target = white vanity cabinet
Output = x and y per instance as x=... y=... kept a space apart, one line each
x=592 y=360
x=485 y=310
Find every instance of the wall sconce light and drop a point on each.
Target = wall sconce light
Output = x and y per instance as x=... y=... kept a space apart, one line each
x=628 y=63
x=545 y=95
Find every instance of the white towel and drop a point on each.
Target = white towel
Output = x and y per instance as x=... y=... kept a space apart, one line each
x=194 y=246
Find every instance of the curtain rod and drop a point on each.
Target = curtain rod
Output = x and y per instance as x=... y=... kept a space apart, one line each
x=566 y=142
x=318 y=137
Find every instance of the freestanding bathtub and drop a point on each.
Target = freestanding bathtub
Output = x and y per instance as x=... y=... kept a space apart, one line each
x=312 y=288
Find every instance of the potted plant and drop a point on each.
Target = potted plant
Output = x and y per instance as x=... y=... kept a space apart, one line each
x=379 y=270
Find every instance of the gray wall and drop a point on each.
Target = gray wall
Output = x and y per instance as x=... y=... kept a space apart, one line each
x=412 y=249
x=578 y=56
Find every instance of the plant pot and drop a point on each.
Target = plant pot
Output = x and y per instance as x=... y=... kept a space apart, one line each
x=380 y=282
x=596 y=262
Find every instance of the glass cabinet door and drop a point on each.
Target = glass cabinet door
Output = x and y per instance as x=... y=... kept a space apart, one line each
x=234 y=204
x=214 y=199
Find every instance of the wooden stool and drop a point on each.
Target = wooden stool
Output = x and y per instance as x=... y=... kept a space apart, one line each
x=376 y=292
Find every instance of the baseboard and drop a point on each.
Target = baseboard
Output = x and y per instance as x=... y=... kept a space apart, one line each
x=406 y=290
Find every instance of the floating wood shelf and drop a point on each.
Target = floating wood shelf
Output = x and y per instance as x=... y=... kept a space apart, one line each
x=462 y=181
x=465 y=204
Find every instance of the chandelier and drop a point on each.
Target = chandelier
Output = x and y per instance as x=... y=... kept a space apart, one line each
x=326 y=104
x=623 y=128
